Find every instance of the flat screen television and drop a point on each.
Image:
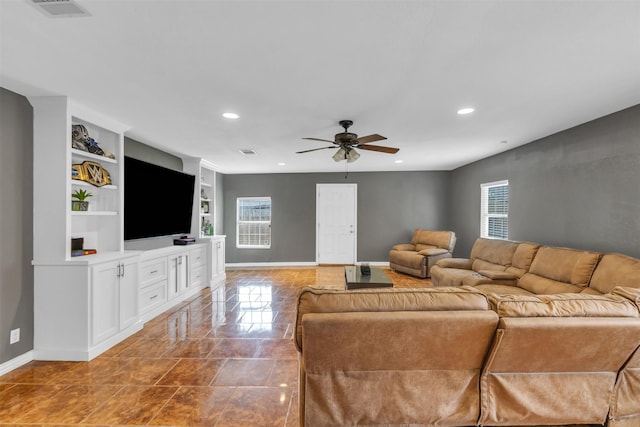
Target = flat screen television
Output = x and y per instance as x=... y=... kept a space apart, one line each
x=157 y=201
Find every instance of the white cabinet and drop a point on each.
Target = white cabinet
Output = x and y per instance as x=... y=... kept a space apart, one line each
x=114 y=298
x=170 y=275
x=218 y=275
x=178 y=275
x=82 y=309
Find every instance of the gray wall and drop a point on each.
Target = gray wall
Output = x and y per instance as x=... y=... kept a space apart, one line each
x=578 y=188
x=140 y=151
x=390 y=206
x=16 y=223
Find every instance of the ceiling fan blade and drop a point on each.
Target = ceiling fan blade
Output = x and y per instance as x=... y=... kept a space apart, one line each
x=314 y=149
x=371 y=138
x=321 y=140
x=389 y=150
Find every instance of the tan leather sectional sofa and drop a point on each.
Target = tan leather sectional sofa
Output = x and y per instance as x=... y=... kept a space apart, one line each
x=559 y=344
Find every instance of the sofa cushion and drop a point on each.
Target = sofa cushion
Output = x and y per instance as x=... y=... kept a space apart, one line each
x=616 y=270
x=312 y=300
x=500 y=289
x=632 y=294
x=440 y=239
x=499 y=252
x=522 y=258
x=559 y=270
x=563 y=305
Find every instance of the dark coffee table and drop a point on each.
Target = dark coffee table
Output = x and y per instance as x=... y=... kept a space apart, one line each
x=355 y=280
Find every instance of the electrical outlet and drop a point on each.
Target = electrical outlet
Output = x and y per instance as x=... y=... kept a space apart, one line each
x=15 y=336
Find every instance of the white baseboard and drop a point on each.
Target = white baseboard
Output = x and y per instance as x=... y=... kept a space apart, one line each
x=241 y=265
x=16 y=362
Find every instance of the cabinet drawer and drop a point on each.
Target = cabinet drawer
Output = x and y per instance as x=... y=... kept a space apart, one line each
x=198 y=257
x=153 y=296
x=152 y=270
x=198 y=275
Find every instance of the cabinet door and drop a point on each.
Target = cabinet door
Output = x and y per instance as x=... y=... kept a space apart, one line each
x=183 y=273
x=129 y=302
x=178 y=275
x=172 y=291
x=219 y=257
x=104 y=301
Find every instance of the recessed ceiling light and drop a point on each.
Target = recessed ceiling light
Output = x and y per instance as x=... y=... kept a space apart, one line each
x=466 y=110
x=398 y=161
x=230 y=116
x=282 y=164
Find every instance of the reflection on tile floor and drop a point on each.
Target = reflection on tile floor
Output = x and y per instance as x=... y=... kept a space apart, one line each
x=224 y=358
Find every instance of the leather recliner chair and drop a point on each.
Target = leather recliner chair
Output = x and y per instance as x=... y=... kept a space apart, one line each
x=426 y=248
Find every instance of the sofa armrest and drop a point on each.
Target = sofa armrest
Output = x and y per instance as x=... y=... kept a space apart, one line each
x=498 y=275
x=462 y=263
x=404 y=247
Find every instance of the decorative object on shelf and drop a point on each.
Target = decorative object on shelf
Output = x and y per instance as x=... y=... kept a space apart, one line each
x=207 y=228
x=91 y=172
x=81 y=140
x=77 y=248
x=203 y=195
x=81 y=203
x=78 y=172
x=204 y=207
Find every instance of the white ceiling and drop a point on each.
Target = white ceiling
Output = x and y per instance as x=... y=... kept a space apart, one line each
x=293 y=69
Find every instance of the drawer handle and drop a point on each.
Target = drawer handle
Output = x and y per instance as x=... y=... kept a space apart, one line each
x=155 y=296
x=153 y=272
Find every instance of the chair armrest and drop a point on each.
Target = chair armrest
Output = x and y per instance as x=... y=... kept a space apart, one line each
x=462 y=263
x=432 y=252
x=404 y=247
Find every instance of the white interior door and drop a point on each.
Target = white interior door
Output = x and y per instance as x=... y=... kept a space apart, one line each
x=336 y=206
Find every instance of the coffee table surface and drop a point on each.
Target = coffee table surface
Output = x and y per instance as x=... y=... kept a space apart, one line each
x=355 y=280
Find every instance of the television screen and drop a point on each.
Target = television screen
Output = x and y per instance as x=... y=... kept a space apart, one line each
x=157 y=201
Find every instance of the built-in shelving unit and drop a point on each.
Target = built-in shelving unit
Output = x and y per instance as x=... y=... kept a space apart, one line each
x=204 y=202
x=87 y=303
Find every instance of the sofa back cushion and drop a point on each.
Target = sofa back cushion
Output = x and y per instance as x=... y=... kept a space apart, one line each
x=312 y=300
x=559 y=270
x=490 y=254
x=522 y=258
x=616 y=270
x=563 y=305
x=427 y=239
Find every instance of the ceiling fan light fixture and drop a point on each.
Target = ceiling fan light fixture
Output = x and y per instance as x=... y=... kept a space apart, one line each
x=352 y=156
x=340 y=155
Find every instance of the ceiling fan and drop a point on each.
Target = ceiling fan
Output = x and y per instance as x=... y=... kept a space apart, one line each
x=348 y=142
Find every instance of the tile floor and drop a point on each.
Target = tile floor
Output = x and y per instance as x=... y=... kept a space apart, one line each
x=224 y=358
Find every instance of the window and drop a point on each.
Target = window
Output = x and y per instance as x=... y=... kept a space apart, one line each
x=253 y=225
x=495 y=210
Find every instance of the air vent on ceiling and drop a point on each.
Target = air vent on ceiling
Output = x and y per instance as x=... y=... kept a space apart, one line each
x=59 y=8
x=247 y=151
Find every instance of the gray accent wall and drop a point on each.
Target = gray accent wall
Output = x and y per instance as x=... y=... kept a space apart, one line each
x=16 y=223
x=140 y=151
x=578 y=188
x=390 y=206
